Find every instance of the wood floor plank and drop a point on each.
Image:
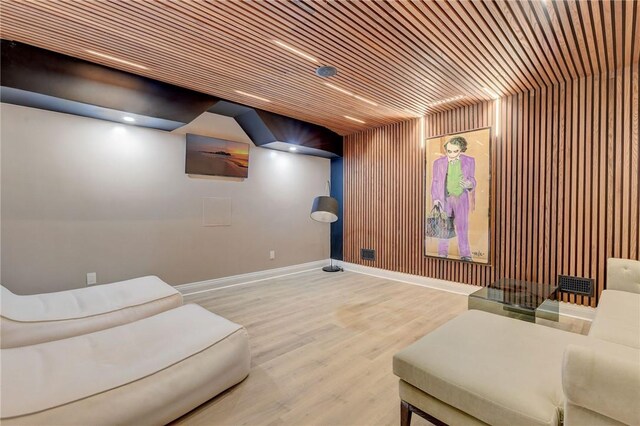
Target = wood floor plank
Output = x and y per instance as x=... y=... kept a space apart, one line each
x=322 y=346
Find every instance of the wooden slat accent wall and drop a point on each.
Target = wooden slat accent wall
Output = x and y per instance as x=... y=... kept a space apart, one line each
x=565 y=185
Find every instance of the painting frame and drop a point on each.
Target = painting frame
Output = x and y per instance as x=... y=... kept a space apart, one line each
x=478 y=248
x=208 y=156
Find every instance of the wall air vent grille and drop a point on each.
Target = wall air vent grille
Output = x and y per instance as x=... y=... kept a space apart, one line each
x=576 y=285
x=367 y=254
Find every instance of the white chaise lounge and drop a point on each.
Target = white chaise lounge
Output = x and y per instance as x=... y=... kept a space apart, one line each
x=28 y=320
x=148 y=372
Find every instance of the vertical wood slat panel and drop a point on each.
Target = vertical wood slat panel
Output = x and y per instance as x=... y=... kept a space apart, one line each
x=635 y=159
x=565 y=182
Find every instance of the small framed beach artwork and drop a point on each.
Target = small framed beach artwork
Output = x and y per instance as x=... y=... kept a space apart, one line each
x=216 y=157
x=458 y=186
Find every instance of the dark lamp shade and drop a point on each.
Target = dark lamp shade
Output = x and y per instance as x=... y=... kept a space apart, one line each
x=325 y=209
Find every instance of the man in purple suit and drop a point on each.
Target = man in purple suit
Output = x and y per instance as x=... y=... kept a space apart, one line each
x=452 y=188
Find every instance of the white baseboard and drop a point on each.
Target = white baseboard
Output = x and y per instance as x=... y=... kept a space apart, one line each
x=252 y=277
x=449 y=286
x=566 y=309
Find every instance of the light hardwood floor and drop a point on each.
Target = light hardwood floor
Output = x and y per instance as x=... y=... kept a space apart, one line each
x=322 y=345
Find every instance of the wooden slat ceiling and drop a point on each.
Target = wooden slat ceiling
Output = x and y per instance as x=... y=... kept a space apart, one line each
x=403 y=56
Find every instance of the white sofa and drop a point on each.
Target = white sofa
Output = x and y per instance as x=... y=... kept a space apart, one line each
x=148 y=372
x=601 y=388
x=28 y=320
x=481 y=368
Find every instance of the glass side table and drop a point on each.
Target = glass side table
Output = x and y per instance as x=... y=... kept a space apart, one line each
x=522 y=300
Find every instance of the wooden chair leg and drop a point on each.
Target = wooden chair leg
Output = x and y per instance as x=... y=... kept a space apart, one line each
x=406 y=410
x=405 y=414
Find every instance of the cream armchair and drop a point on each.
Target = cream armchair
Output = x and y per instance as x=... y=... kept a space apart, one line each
x=600 y=387
x=481 y=368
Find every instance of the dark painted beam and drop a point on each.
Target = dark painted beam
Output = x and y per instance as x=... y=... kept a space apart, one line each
x=40 y=71
x=40 y=78
x=271 y=130
x=229 y=109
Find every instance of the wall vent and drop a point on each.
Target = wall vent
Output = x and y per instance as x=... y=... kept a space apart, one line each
x=367 y=254
x=576 y=285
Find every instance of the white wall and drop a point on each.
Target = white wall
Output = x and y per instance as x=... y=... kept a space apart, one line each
x=82 y=195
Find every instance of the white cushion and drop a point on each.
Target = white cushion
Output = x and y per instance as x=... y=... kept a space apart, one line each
x=601 y=384
x=84 y=379
x=623 y=275
x=28 y=320
x=618 y=318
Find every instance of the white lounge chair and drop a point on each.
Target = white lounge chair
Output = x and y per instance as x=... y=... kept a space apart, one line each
x=147 y=372
x=28 y=320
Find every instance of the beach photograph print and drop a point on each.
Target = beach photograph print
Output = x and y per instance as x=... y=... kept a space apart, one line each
x=458 y=186
x=216 y=157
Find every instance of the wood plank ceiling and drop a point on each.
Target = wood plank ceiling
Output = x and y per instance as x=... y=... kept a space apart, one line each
x=395 y=59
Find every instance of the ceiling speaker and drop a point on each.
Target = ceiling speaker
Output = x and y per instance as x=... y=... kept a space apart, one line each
x=326 y=71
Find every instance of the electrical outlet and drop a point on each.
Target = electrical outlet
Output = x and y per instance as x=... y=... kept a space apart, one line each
x=272 y=254
x=92 y=278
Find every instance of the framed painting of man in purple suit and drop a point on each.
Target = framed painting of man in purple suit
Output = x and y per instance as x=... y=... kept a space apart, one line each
x=458 y=185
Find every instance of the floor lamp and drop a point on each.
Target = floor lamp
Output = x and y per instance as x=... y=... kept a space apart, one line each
x=325 y=209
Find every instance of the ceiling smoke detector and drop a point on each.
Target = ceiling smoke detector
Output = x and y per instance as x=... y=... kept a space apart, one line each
x=326 y=71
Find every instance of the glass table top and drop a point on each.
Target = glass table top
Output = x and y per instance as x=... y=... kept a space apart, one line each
x=517 y=293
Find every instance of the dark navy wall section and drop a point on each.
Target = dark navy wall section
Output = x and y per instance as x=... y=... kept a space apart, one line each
x=337 y=191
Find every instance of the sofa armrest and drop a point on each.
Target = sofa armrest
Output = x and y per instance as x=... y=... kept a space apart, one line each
x=603 y=382
x=623 y=275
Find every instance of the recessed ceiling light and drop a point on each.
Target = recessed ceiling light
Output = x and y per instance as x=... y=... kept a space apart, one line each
x=293 y=148
x=339 y=89
x=296 y=51
x=252 y=96
x=111 y=58
x=491 y=93
x=365 y=100
x=128 y=119
x=354 y=119
x=446 y=101
x=346 y=92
